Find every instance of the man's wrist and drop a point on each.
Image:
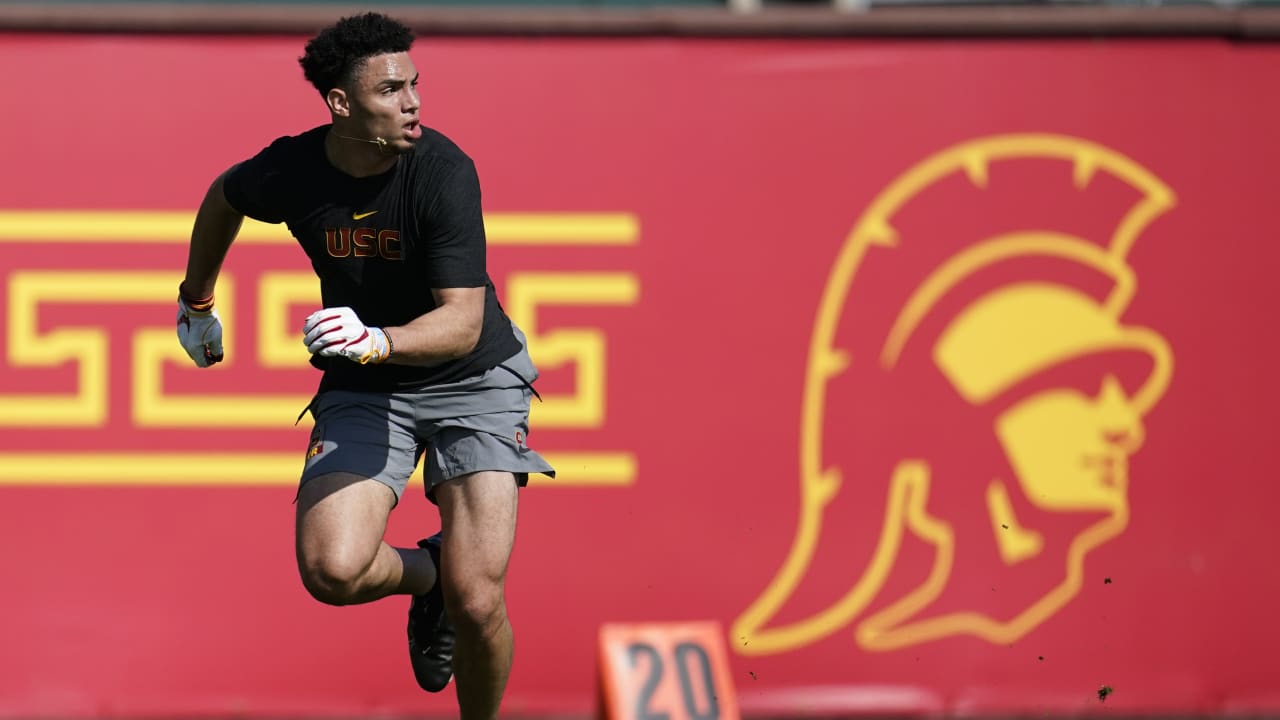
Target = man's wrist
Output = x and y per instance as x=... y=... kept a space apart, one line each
x=193 y=302
x=379 y=347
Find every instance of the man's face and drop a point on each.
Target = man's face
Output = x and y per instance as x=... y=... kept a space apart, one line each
x=384 y=101
x=1071 y=451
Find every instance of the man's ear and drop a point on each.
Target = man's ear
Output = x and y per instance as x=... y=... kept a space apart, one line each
x=338 y=102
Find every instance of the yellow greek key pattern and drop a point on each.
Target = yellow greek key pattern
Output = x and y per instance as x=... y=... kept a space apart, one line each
x=87 y=349
x=583 y=347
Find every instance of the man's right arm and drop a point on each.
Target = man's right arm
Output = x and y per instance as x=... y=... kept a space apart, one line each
x=216 y=226
x=198 y=325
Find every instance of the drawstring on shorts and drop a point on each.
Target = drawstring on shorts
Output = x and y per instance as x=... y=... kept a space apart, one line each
x=520 y=377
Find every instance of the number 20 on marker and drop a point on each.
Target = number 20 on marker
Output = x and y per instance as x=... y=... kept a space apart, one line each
x=666 y=672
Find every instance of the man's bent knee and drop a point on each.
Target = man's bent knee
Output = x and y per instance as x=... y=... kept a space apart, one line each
x=340 y=523
x=334 y=578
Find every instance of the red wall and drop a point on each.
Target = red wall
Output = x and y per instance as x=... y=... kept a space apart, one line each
x=1050 y=477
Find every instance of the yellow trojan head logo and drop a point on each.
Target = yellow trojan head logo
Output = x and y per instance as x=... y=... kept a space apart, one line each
x=973 y=398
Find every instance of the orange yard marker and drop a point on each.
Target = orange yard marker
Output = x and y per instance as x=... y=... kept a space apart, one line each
x=667 y=671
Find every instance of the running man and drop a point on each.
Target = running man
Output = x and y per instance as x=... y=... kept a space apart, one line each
x=417 y=354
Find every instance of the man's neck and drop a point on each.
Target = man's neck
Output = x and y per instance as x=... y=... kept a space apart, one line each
x=356 y=157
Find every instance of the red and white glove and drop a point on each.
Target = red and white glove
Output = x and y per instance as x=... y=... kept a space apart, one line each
x=334 y=332
x=200 y=331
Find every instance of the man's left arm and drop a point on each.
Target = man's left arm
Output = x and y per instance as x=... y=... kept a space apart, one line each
x=449 y=331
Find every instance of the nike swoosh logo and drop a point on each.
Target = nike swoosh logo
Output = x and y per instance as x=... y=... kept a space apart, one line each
x=361 y=216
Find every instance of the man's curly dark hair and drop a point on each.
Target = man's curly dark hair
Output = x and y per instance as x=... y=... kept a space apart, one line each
x=337 y=52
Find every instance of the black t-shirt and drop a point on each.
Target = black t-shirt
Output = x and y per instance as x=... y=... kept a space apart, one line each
x=380 y=244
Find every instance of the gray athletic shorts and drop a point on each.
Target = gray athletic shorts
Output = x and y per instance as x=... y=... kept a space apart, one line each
x=480 y=423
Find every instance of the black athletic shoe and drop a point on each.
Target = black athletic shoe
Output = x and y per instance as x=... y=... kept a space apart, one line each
x=430 y=632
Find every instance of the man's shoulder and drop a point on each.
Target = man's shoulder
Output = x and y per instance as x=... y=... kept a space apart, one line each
x=435 y=145
x=284 y=156
x=306 y=141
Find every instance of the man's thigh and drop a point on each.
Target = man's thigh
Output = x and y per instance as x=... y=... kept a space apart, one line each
x=341 y=519
x=478 y=516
